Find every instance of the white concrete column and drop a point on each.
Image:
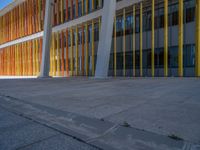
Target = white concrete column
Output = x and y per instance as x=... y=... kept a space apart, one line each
x=44 y=71
x=105 y=40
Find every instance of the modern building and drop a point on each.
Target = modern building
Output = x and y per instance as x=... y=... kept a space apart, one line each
x=150 y=38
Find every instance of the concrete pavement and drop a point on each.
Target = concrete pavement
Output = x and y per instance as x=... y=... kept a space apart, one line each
x=156 y=108
x=18 y=132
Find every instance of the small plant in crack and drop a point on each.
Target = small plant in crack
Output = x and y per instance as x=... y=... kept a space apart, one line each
x=126 y=124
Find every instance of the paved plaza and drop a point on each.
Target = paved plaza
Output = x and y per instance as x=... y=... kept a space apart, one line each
x=112 y=113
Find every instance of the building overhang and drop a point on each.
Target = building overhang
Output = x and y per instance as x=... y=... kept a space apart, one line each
x=120 y=5
x=10 y=6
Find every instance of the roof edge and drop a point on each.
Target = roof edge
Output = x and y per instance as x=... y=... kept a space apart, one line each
x=10 y=6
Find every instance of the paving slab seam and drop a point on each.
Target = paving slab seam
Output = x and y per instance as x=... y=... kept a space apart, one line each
x=94 y=141
x=48 y=126
x=39 y=141
x=57 y=128
x=115 y=127
x=61 y=130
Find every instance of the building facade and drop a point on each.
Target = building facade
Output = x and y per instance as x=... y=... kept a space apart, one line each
x=150 y=38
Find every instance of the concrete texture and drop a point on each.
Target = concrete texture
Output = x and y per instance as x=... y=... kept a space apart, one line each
x=105 y=39
x=158 y=108
x=17 y=132
x=45 y=65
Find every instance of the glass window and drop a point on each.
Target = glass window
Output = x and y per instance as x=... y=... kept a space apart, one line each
x=129 y=60
x=84 y=7
x=119 y=25
x=156 y=58
x=156 y=19
x=89 y=5
x=129 y=24
x=174 y=15
x=111 y=63
x=79 y=37
x=90 y=34
x=173 y=56
x=74 y=11
x=69 y=13
x=96 y=4
x=189 y=55
x=190 y=14
x=175 y=18
x=149 y=58
x=120 y=61
x=145 y=58
x=80 y=8
x=147 y=25
x=137 y=25
x=190 y=10
x=137 y=59
x=74 y=37
x=161 y=18
x=160 y=53
x=96 y=32
x=64 y=14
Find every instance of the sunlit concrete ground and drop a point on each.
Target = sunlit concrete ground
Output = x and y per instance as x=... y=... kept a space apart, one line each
x=17 y=77
x=165 y=106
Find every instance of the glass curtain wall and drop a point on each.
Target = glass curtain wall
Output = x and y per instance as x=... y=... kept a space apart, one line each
x=124 y=26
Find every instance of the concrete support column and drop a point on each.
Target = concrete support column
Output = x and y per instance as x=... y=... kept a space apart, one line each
x=105 y=41
x=44 y=71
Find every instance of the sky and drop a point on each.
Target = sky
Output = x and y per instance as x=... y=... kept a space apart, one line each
x=3 y=3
